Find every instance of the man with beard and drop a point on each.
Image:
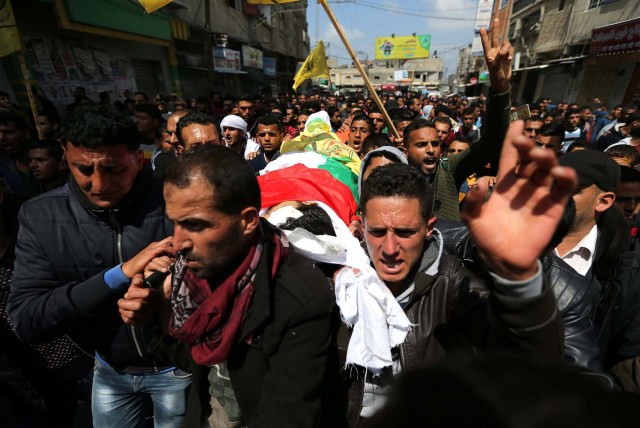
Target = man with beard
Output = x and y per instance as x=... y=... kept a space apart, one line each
x=234 y=134
x=424 y=147
x=598 y=235
x=242 y=298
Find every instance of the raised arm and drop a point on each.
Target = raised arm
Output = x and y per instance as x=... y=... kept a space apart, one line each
x=498 y=58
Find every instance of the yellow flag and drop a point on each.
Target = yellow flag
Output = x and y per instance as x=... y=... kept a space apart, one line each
x=271 y=1
x=9 y=38
x=153 y=5
x=314 y=66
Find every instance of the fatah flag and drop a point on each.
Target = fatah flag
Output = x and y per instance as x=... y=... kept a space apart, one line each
x=314 y=66
x=153 y=5
x=270 y=1
x=9 y=38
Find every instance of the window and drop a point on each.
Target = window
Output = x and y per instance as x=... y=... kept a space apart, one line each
x=597 y=3
x=376 y=77
x=503 y=3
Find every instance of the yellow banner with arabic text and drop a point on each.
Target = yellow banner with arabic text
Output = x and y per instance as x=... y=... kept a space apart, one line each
x=403 y=47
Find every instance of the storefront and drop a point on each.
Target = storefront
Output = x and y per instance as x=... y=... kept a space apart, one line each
x=612 y=70
x=80 y=44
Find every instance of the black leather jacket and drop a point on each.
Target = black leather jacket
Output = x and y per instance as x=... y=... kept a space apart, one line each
x=64 y=247
x=454 y=313
x=571 y=290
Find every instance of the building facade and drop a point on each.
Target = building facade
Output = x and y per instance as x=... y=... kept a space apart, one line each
x=414 y=75
x=190 y=47
x=573 y=50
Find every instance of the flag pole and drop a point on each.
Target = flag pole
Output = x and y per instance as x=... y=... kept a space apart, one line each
x=13 y=43
x=347 y=45
x=27 y=84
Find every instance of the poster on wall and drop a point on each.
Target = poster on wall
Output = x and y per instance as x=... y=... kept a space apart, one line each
x=84 y=61
x=67 y=59
x=103 y=67
x=251 y=57
x=124 y=77
x=226 y=61
x=269 y=66
x=60 y=66
x=41 y=55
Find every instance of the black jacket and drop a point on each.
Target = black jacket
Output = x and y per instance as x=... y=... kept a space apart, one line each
x=623 y=350
x=64 y=247
x=453 y=314
x=286 y=376
x=571 y=290
x=613 y=241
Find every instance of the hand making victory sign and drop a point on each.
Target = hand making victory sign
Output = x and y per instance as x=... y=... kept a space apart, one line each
x=498 y=57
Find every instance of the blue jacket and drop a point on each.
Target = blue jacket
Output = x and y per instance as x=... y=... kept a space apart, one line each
x=64 y=247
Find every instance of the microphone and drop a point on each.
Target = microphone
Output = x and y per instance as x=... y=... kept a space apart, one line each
x=156 y=279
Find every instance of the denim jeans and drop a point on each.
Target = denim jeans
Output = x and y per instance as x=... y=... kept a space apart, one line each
x=121 y=400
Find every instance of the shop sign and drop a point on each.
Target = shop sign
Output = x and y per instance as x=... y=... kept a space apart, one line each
x=226 y=60
x=623 y=37
x=251 y=57
x=269 y=66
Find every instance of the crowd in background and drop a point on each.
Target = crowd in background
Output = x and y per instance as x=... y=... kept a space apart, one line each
x=453 y=141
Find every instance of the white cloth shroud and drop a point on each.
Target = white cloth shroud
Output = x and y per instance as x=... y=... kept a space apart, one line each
x=365 y=302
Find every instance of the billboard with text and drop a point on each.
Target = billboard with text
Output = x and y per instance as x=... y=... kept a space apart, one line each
x=403 y=47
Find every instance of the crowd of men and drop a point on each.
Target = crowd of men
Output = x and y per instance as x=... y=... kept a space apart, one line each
x=263 y=262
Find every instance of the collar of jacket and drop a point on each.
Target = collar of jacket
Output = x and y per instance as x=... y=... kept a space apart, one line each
x=426 y=271
x=140 y=186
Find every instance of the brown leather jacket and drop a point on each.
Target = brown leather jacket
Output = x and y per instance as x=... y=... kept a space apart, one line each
x=454 y=312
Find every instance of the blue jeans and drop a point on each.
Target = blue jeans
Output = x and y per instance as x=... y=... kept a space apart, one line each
x=121 y=400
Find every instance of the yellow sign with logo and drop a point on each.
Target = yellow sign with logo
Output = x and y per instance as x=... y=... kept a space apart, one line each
x=403 y=47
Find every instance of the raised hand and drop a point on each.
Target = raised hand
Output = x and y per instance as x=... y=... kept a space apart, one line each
x=498 y=58
x=515 y=225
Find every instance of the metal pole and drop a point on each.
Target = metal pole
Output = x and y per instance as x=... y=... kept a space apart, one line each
x=27 y=85
x=347 y=45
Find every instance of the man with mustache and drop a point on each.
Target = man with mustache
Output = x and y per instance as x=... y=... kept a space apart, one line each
x=424 y=148
x=248 y=307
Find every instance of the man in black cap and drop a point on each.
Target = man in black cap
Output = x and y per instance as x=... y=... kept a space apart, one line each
x=599 y=233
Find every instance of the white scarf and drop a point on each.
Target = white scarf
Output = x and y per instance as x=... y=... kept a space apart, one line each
x=365 y=302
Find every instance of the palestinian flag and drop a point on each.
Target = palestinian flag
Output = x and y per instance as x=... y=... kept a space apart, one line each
x=303 y=184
